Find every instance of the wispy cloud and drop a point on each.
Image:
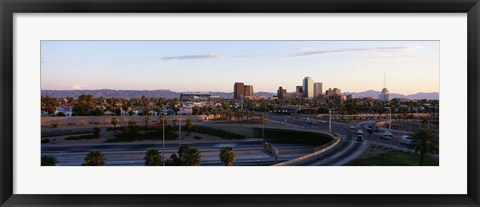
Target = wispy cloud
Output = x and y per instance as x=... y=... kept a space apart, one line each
x=192 y=57
x=373 y=49
x=246 y=56
x=396 y=57
x=303 y=49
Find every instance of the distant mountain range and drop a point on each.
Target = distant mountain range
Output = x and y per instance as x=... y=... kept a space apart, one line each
x=133 y=93
x=374 y=94
x=172 y=94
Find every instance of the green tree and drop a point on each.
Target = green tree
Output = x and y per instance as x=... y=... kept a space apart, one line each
x=161 y=122
x=189 y=124
x=85 y=105
x=191 y=157
x=94 y=158
x=49 y=160
x=227 y=156
x=186 y=156
x=174 y=123
x=114 y=121
x=424 y=142
x=153 y=158
x=146 y=119
x=49 y=104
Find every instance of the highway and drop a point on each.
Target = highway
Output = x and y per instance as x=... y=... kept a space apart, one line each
x=349 y=148
x=248 y=151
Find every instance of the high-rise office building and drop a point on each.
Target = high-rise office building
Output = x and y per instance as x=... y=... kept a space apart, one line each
x=333 y=92
x=317 y=90
x=238 y=90
x=281 y=92
x=299 y=91
x=248 y=90
x=307 y=87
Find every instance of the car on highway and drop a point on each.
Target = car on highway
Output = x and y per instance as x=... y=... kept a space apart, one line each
x=353 y=127
x=360 y=135
x=370 y=130
x=406 y=139
x=387 y=135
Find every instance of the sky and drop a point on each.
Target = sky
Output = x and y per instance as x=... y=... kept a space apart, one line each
x=201 y=66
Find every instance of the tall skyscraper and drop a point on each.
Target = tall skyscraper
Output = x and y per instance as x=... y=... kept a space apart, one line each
x=317 y=89
x=307 y=87
x=248 y=90
x=238 y=90
x=281 y=92
x=385 y=95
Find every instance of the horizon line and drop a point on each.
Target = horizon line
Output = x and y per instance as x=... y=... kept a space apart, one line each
x=348 y=92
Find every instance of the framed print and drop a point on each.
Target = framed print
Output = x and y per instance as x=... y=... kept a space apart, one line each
x=201 y=103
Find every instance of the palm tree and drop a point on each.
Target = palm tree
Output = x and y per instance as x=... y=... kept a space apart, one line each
x=189 y=124
x=49 y=160
x=94 y=158
x=161 y=121
x=153 y=158
x=114 y=121
x=146 y=119
x=174 y=123
x=423 y=141
x=191 y=157
x=186 y=156
x=227 y=156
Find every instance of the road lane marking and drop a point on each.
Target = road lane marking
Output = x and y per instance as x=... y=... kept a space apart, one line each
x=340 y=153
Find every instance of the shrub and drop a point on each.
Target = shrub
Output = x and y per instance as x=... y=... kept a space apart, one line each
x=54 y=125
x=49 y=160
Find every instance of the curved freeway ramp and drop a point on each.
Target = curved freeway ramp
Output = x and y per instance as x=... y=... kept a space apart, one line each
x=344 y=152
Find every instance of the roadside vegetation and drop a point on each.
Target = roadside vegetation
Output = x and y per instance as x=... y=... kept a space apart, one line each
x=49 y=160
x=294 y=137
x=94 y=158
x=394 y=158
x=153 y=158
x=425 y=143
x=216 y=132
x=186 y=156
x=227 y=156
x=94 y=135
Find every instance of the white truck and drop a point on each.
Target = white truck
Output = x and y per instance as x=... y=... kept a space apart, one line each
x=359 y=135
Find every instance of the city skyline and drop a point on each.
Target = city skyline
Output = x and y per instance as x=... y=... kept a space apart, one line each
x=353 y=66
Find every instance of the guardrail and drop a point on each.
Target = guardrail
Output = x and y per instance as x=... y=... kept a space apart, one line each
x=321 y=149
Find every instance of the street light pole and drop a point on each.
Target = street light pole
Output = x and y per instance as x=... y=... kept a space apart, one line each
x=180 y=128
x=163 y=132
x=389 y=117
x=263 y=125
x=330 y=119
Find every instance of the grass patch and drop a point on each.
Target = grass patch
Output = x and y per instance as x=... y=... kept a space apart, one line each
x=394 y=158
x=295 y=137
x=216 y=132
x=79 y=137
x=152 y=135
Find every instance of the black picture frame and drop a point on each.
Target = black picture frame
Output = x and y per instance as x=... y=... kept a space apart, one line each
x=9 y=7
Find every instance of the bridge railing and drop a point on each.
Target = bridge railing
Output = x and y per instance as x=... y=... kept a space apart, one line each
x=335 y=140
